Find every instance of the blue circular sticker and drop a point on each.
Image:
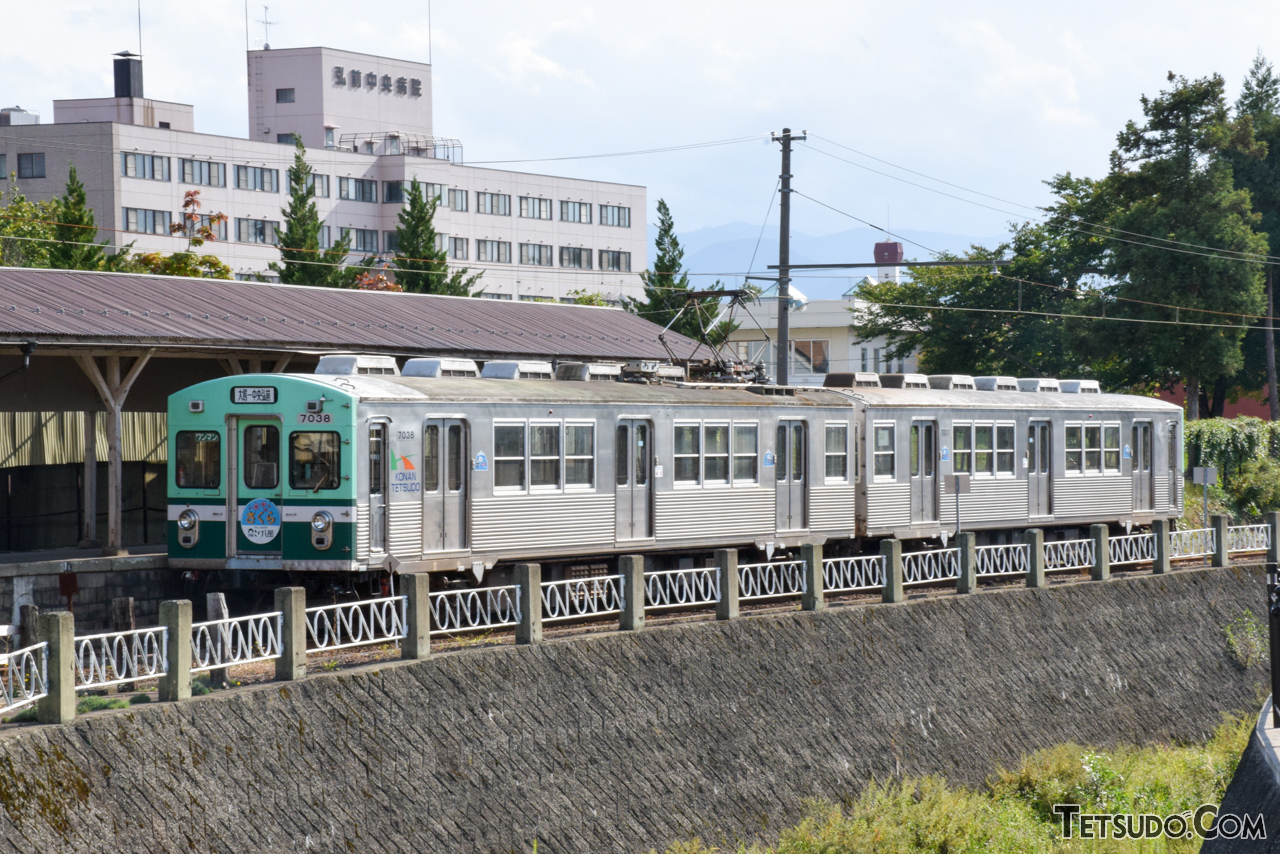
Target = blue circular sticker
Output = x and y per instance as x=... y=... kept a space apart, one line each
x=260 y=521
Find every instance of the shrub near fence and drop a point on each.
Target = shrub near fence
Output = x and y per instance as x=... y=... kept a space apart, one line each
x=1228 y=443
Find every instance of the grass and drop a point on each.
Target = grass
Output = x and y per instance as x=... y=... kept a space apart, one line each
x=1011 y=814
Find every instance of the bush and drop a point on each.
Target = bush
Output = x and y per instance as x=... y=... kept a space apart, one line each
x=138 y=699
x=1248 y=640
x=1256 y=488
x=201 y=685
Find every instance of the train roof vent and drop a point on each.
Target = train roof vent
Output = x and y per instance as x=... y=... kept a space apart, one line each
x=1038 y=384
x=440 y=368
x=996 y=383
x=858 y=379
x=904 y=381
x=516 y=371
x=587 y=372
x=1079 y=387
x=952 y=382
x=351 y=364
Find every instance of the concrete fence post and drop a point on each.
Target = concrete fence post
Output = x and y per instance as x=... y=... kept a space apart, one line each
x=631 y=577
x=58 y=629
x=891 y=550
x=727 y=565
x=416 y=588
x=175 y=615
x=1219 y=523
x=967 y=546
x=1272 y=520
x=292 y=663
x=529 y=582
x=1033 y=538
x=1160 y=529
x=1101 y=552
x=813 y=598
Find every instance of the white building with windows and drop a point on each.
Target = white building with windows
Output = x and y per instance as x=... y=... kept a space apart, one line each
x=366 y=123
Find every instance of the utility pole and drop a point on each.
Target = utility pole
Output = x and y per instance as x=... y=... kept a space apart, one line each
x=784 y=254
x=1273 y=394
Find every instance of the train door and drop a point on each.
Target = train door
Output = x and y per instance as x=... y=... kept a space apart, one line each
x=791 y=474
x=1039 y=480
x=377 y=488
x=256 y=489
x=1174 y=458
x=633 y=478
x=924 y=471
x=444 y=485
x=1141 y=466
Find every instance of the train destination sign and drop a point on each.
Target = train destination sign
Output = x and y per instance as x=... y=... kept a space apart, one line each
x=253 y=394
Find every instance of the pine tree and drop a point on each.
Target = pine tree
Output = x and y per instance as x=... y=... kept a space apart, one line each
x=75 y=247
x=303 y=262
x=667 y=288
x=421 y=267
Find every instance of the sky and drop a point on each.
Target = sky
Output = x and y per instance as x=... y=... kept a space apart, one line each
x=991 y=97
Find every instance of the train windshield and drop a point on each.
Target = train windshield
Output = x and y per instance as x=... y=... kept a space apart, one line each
x=199 y=459
x=315 y=460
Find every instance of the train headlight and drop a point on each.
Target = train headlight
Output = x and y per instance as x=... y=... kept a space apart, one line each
x=321 y=522
x=187 y=519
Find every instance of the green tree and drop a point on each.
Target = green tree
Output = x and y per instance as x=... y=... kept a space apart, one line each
x=197 y=230
x=26 y=230
x=667 y=288
x=585 y=297
x=421 y=267
x=74 y=246
x=302 y=261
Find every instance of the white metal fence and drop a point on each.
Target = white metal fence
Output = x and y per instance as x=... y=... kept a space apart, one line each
x=581 y=598
x=850 y=574
x=1134 y=548
x=456 y=611
x=1012 y=559
x=356 y=623
x=113 y=658
x=928 y=566
x=236 y=640
x=766 y=580
x=1196 y=542
x=1248 y=538
x=1068 y=554
x=24 y=674
x=682 y=588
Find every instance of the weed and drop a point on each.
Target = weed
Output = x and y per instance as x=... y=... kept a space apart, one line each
x=95 y=703
x=201 y=686
x=1247 y=640
x=330 y=665
x=138 y=699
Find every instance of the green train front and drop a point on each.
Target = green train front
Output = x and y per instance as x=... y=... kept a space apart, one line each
x=261 y=475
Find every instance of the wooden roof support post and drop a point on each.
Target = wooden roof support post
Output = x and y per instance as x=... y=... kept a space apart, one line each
x=89 y=536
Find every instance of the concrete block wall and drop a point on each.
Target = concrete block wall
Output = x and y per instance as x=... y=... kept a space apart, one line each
x=146 y=578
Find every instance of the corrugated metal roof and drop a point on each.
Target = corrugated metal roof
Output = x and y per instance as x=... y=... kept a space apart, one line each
x=69 y=306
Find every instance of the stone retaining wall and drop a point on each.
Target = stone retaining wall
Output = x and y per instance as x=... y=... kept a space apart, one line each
x=627 y=741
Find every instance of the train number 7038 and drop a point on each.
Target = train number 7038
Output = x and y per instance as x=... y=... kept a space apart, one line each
x=315 y=418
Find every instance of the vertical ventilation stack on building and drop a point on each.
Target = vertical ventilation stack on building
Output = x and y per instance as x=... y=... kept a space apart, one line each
x=128 y=73
x=889 y=256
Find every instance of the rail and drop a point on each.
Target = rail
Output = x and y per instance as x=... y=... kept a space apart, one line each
x=929 y=566
x=1196 y=542
x=356 y=623
x=25 y=676
x=456 y=611
x=1133 y=548
x=767 y=580
x=850 y=574
x=1012 y=559
x=1248 y=538
x=237 y=640
x=113 y=658
x=1062 y=555
x=682 y=588
x=581 y=598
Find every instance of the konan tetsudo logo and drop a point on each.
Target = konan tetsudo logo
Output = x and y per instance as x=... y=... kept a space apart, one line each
x=1205 y=822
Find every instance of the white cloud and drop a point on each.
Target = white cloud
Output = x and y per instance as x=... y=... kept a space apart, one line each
x=521 y=64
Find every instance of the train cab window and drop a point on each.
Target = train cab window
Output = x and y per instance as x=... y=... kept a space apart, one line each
x=431 y=458
x=837 y=453
x=198 y=455
x=984 y=453
x=579 y=455
x=715 y=454
x=315 y=460
x=1074 y=445
x=508 y=456
x=544 y=455
x=262 y=457
x=686 y=453
x=1093 y=448
x=746 y=450
x=1111 y=448
x=962 y=452
x=883 y=449
x=1005 y=448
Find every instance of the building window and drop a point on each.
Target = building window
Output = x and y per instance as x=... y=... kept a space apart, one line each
x=535 y=255
x=487 y=295
x=883 y=450
x=202 y=172
x=837 y=453
x=810 y=357
x=497 y=204
x=325 y=238
x=358 y=190
x=458 y=248
x=202 y=221
x=146 y=222
x=617 y=262
x=258 y=178
x=319 y=185
x=328 y=138
x=257 y=231
x=4 y=166
x=864 y=360
x=441 y=243
x=494 y=251
x=284 y=138
x=962 y=452
x=391 y=241
x=579 y=258
x=362 y=240
x=458 y=200
x=616 y=216
x=531 y=208
x=433 y=191
x=163 y=125
x=575 y=212
x=393 y=192
x=284 y=96
x=153 y=167
x=1111 y=448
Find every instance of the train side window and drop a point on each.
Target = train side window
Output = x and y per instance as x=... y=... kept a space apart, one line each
x=883 y=449
x=715 y=453
x=315 y=460
x=837 y=453
x=1111 y=448
x=544 y=455
x=198 y=455
x=984 y=445
x=686 y=453
x=1093 y=448
x=431 y=458
x=746 y=453
x=262 y=457
x=642 y=454
x=580 y=455
x=1005 y=448
x=780 y=461
x=455 y=459
x=620 y=448
x=962 y=459
x=1074 y=445
x=508 y=456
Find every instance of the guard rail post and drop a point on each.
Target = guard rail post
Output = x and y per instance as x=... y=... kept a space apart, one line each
x=175 y=684
x=1160 y=529
x=631 y=577
x=416 y=588
x=58 y=706
x=1033 y=538
x=891 y=550
x=1272 y=520
x=1101 y=536
x=967 y=577
x=727 y=565
x=292 y=603
x=812 y=597
x=1219 y=523
x=529 y=583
